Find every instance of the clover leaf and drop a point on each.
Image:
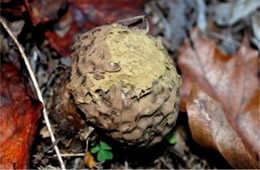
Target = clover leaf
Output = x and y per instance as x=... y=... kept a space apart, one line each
x=95 y=149
x=105 y=146
x=102 y=151
x=104 y=155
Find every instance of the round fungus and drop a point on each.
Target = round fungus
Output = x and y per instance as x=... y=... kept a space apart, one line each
x=124 y=82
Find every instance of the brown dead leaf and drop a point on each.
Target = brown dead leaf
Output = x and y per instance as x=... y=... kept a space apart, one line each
x=211 y=129
x=39 y=11
x=19 y=115
x=230 y=81
x=42 y=11
x=87 y=14
x=89 y=160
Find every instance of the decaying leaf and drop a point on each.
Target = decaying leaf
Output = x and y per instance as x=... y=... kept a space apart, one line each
x=18 y=118
x=42 y=11
x=231 y=12
x=89 y=160
x=231 y=82
x=211 y=129
x=85 y=15
x=178 y=19
x=13 y=8
x=39 y=11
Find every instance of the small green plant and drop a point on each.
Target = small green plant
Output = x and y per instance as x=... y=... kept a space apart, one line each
x=171 y=138
x=103 y=151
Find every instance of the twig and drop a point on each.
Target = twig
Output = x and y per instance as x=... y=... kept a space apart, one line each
x=38 y=92
x=73 y=155
x=136 y=19
x=224 y=38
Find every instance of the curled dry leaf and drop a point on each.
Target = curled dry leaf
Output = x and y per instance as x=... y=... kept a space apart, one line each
x=18 y=118
x=232 y=85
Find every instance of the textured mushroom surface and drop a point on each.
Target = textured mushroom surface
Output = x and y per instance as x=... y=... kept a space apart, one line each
x=125 y=83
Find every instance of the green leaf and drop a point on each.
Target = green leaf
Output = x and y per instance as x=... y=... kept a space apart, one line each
x=95 y=149
x=171 y=138
x=104 y=145
x=104 y=155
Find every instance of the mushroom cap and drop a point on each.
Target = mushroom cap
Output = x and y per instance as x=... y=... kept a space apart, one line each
x=125 y=82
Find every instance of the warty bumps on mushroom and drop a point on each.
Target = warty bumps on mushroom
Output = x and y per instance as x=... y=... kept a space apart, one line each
x=124 y=81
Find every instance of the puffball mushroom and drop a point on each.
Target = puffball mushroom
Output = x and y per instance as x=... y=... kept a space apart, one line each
x=124 y=82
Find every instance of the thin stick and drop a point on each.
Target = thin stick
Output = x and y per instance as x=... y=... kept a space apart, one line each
x=224 y=38
x=136 y=19
x=73 y=155
x=38 y=92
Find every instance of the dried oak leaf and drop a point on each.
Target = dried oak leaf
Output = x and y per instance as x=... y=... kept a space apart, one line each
x=19 y=116
x=231 y=82
x=211 y=129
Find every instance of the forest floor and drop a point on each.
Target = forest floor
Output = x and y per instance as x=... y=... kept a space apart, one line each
x=47 y=31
